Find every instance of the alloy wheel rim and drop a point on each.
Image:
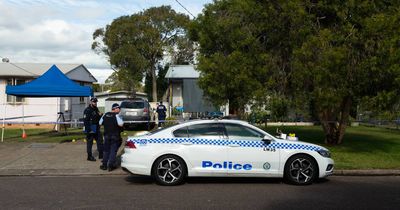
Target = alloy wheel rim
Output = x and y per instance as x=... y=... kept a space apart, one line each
x=169 y=170
x=301 y=170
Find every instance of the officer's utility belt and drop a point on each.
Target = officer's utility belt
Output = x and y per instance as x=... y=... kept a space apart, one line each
x=112 y=135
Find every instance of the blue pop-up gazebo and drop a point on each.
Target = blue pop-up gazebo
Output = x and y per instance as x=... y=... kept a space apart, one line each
x=53 y=83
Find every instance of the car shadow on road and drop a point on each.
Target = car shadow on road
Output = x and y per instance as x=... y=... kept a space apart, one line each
x=136 y=179
x=233 y=180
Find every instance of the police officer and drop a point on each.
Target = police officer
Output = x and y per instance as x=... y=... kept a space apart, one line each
x=91 y=117
x=113 y=125
x=161 y=111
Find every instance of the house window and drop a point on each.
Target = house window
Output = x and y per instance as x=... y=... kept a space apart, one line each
x=15 y=99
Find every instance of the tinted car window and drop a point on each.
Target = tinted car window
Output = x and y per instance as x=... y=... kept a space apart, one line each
x=235 y=130
x=132 y=105
x=207 y=129
x=182 y=132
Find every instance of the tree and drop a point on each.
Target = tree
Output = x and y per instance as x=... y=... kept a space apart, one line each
x=96 y=87
x=246 y=49
x=121 y=80
x=135 y=44
x=349 y=56
x=323 y=55
x=162 y=83
x=182 y=53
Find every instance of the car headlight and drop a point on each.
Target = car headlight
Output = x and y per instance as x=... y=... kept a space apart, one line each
x=324 y=153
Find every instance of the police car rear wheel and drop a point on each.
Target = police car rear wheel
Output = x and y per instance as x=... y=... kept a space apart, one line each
x=301 y=170
x=169 y=170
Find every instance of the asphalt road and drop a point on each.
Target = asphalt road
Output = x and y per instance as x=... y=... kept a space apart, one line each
x=132 y=192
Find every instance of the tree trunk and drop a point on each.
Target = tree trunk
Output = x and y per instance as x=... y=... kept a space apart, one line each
x=154 y=83
x=335 y=123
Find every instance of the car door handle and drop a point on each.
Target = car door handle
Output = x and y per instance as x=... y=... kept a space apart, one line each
x=187 y=143
x=234 y=145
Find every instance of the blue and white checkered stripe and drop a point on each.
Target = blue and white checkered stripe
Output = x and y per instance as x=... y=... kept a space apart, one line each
x=221 y=142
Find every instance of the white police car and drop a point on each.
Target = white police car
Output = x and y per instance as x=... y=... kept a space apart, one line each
x=223 y=148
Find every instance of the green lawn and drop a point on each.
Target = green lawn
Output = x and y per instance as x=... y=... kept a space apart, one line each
x=362 y=148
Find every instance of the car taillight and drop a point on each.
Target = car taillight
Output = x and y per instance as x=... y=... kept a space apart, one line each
x=145 y=110
x=130 y=145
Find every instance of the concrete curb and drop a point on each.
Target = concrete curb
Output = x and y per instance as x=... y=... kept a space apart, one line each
x=59 y=172
x=120 y=172
x=367 y=172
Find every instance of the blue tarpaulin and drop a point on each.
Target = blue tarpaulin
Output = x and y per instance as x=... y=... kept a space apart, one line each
x=53 y=83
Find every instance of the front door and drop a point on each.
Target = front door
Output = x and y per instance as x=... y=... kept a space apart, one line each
x=204 y=148
x=248 y=154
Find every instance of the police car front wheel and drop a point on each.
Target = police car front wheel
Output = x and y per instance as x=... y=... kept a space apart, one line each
x=301 y=170
x=169 y=170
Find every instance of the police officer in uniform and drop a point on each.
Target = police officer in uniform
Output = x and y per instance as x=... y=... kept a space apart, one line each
x=161 y=111
x=91 y=117
x=113 y=125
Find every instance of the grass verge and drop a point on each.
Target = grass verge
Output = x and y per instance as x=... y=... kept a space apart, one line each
x=362 y=147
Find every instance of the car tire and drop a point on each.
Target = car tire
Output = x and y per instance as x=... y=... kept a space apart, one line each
x=300 y=170
x=169 y=170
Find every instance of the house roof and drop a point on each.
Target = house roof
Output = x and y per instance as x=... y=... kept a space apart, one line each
x=182 y=71
x=37 y=69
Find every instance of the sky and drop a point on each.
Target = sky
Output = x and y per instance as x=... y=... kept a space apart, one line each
x=60 y=31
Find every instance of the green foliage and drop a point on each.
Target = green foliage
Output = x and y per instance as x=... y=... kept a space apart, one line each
x=246 y=47
x=162 y=83
x=135 y=44
x=279 y=108
x=327 y=56
x=348 y=58
x=258 y=116
x=120 y=80
x=182 y=52
x=96 y=87
x=170 y=121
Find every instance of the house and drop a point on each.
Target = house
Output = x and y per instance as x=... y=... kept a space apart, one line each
x=106 y=99
x=41 y=110
x=184 y=92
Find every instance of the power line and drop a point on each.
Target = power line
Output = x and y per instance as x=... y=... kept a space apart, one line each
x=185 y=9
x=6 y=60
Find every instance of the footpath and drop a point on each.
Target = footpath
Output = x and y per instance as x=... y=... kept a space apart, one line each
x=49 y=159
x=69 y=159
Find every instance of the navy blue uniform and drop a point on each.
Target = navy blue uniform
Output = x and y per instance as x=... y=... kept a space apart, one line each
x=112 y=138
x=161 y=110
x=91 y=117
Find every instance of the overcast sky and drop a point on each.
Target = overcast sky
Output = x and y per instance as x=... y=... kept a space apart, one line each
x=60 y=31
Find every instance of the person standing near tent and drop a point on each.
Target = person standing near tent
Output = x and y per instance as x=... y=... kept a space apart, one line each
x=91 y=117
x=113 y=125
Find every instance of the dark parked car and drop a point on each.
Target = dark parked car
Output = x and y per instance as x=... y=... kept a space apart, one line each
x=137 y=112
x=215 y=114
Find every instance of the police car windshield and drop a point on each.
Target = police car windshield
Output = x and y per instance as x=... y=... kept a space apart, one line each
x=132 y=105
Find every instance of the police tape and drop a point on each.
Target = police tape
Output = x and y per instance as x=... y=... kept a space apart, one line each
x=80 y=122
x=178 y=121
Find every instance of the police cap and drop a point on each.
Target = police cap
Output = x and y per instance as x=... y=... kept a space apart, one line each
x=115 y=106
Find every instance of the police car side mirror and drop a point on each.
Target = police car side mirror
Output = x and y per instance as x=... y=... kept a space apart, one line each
x=267 y=139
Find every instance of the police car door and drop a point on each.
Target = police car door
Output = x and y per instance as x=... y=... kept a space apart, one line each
x=248 y=154
x=205 y=149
